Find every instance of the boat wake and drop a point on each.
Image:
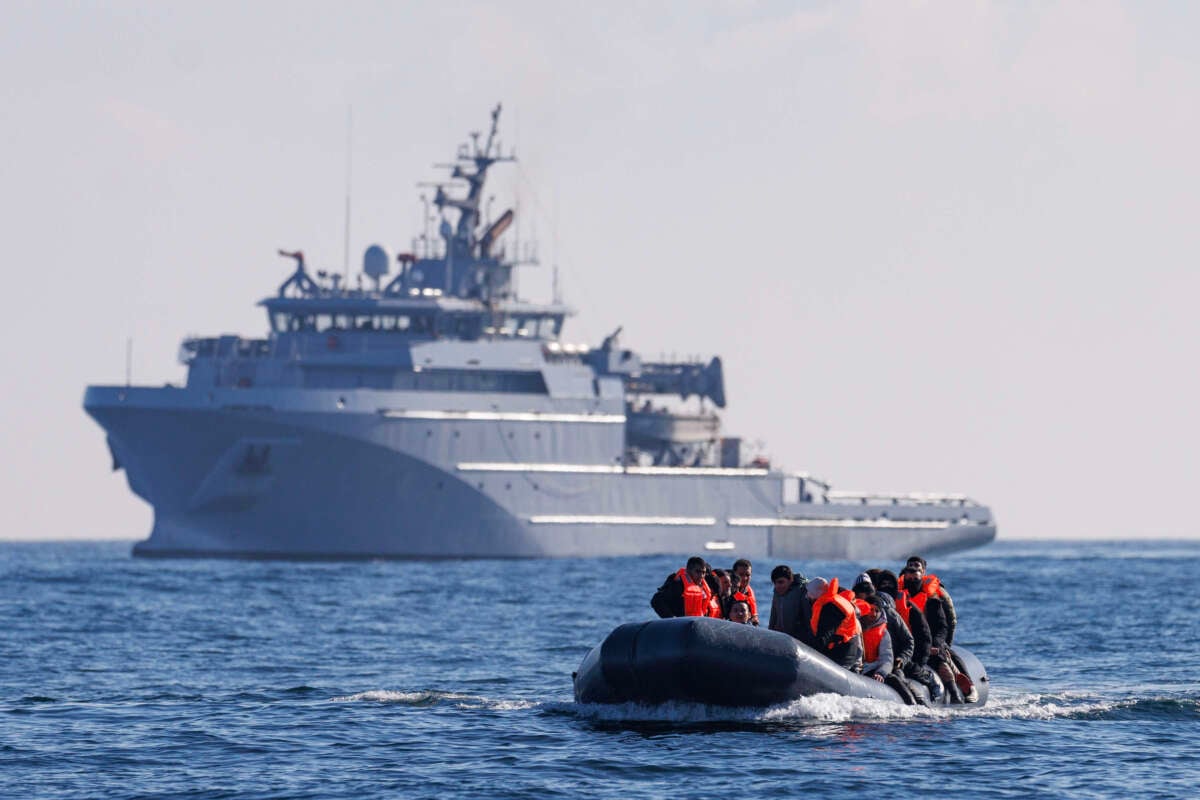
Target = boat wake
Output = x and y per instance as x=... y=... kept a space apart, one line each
x=1087 y=706
x=818 y=709
x=834 y=708
x=426 y=699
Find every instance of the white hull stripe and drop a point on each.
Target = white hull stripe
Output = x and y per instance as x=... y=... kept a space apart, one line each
x=601 y=519
x=583 y=519
x=503 y=416
x=605 y=469
x=762 y=522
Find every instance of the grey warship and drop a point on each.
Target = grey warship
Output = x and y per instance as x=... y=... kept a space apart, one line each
x=433 y=413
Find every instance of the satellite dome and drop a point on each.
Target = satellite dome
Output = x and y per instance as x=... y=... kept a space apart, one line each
x=376 y=261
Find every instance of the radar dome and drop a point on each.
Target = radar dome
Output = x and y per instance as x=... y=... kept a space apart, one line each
x=376 y=261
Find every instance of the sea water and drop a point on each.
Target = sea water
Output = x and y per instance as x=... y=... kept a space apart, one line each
x=123 y=677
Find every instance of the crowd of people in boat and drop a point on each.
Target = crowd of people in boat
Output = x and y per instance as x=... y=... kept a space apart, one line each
x=886 y=626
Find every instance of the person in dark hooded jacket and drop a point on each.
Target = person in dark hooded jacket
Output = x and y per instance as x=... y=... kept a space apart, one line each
x=790 y=606
x=902 y=638
x=917 y=667
x=935 y=615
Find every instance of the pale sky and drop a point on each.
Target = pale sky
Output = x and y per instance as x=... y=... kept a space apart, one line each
x=939 y=246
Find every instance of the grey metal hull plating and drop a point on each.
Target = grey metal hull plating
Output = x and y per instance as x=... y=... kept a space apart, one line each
x=239 y=473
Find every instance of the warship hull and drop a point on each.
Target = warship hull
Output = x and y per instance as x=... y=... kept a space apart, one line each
x=261 y=473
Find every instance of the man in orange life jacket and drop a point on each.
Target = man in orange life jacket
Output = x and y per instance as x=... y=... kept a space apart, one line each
x=684 y=593
x=924 y=596
x=741 y=583
x=903 y=644
x=834 y=624
x=877 y=643
x=883 y=654
x=960 y=678
x=918 y=563
x=914 y=620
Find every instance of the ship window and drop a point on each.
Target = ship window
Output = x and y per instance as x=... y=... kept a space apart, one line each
x=403 y=323
x=547 y=328
x=328 y=377
x=467 y=327
x=280 y=321
x=364 y=322
x=342 y=322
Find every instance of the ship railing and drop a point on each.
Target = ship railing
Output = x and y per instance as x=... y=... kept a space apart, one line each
x=900 y=499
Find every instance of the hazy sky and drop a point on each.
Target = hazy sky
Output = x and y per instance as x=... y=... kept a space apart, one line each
x=939 y=246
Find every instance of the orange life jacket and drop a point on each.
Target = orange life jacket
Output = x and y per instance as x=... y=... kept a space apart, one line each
x=938 y=589
x=919 y=599
x=929 y=588
x=871 y=638
x=714 y=604
x=747 y=595
x=750 y=599
x=848 y=627
x=695 y=595
x=902 y=606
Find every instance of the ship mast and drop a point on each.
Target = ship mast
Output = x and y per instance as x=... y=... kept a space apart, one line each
x=472 y=166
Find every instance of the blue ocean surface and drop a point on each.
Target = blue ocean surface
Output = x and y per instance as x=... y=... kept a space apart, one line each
x=123 y=677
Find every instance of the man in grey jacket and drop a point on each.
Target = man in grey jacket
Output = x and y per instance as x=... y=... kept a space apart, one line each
x=790 y=606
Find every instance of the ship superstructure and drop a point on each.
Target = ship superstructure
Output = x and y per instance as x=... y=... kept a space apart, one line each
x=436 y=414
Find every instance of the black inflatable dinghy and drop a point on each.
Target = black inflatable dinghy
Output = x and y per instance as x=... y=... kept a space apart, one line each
x=717 y=662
